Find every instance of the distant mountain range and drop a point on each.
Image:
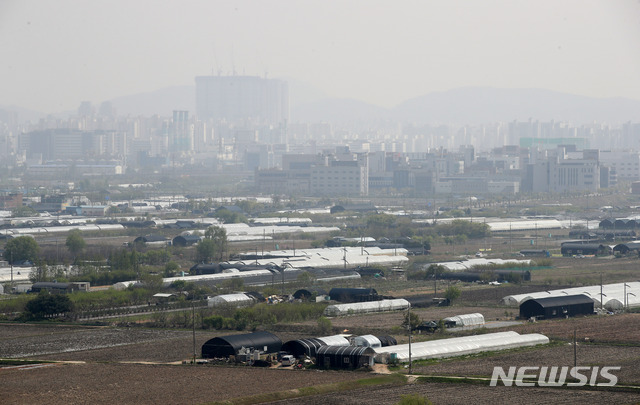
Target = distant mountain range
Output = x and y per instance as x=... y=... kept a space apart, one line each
x=468 y=105
x=473 y=105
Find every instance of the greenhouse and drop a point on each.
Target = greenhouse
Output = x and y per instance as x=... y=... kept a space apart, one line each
x=365 y=307
x=556 y=307
x=434 y=349
x=309 y=347
x=345 y=357
x=235 y=300
x=466 y=319
x=614 y=296
x=225 y=346
x=373 y=341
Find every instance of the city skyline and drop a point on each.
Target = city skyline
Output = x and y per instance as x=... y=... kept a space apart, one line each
x=57 y=55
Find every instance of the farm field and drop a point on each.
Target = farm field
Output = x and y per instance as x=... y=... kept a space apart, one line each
x=116 y=383
x=455 y=394
x=133 y=365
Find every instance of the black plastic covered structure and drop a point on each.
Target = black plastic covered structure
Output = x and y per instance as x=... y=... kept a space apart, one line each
x=354 y=294
x=345 y=357
x=387 y=340
x=306 y=293
x=557 y=307
x=225 y=346
x=583 y=249
x=301 y=347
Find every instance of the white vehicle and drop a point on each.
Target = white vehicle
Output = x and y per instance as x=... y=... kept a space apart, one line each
x=288 y=360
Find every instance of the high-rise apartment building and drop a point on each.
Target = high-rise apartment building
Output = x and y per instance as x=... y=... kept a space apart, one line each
x=242 y=98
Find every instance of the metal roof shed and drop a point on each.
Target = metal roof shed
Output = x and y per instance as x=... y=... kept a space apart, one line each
x=557 y=307
x=345 y=357
x=225 y=346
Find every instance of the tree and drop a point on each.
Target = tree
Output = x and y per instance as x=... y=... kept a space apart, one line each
x=46 y=304
x=229 y=217
x=219 y=237
x=75 y=242
x=413 y=320
x=324 y=325
x=24 y=211
x=205 y=250
x=171 y=268
x=452 y=293
x=21 y=248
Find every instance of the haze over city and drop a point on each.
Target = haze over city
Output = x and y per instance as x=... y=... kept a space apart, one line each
x=58 y=54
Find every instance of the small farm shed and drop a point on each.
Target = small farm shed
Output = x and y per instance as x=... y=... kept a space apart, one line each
x=230 y=345
x=309 y=347
x=345 y=357
x=557 y=307
x=354 y=294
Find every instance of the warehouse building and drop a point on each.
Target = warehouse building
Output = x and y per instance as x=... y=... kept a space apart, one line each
x=557 y=307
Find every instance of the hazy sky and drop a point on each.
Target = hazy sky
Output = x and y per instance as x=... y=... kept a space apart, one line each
x=55 y=54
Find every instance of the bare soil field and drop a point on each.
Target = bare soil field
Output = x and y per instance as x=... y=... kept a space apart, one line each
x=110 y=383
x=587 y=355
x=76 y=343
x=456 y=394
x=620 y=328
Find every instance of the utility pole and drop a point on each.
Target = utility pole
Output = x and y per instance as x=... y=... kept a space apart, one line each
x=193 y=316
x=575 y=349
x=601 y=293
x=409 y=326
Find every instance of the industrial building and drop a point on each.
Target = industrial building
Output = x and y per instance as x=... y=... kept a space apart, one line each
x=556 y=307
